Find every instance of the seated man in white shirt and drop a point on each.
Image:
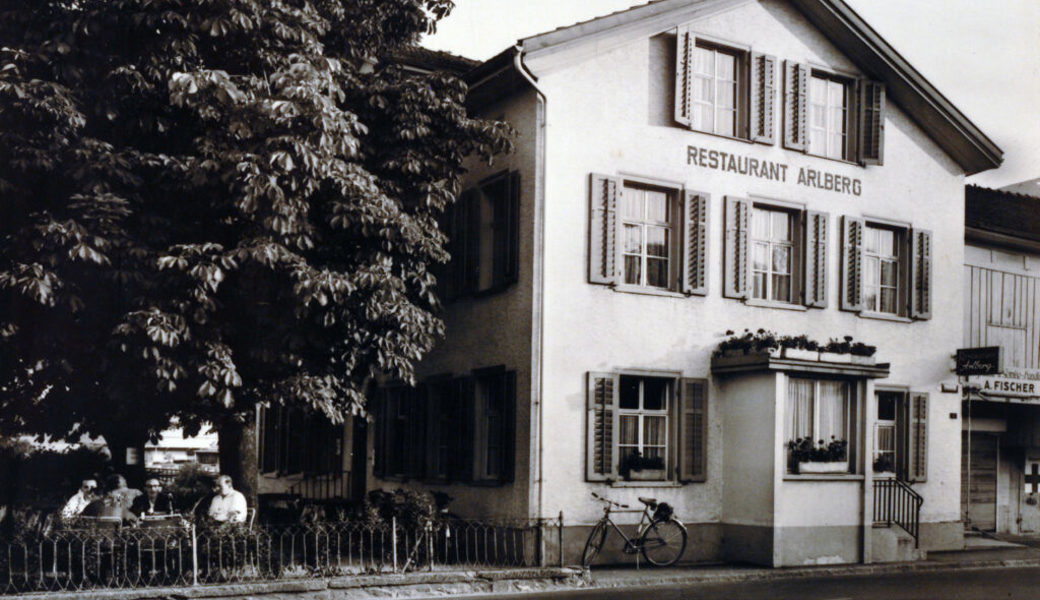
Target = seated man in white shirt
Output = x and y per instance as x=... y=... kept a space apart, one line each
x=79 y=500
x=228 y=505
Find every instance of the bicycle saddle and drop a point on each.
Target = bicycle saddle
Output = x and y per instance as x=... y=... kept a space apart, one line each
x=651 y=502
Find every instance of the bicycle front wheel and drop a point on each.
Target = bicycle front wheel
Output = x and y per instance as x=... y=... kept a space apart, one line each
x=663 y=542
x=594 y=544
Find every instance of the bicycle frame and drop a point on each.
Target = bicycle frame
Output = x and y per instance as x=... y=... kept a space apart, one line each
x=631 y=544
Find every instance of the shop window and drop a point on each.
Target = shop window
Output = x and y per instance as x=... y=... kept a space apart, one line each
x=646 y=427
x=448 y=429
x=724 y=89
x=833 y=116
x=820 y=410
x=482 y=228
x=644 y=236
x=775 y=253
x=901 y=434
x=886 y=270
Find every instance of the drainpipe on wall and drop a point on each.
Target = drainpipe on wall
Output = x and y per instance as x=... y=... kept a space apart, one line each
x=538 y=269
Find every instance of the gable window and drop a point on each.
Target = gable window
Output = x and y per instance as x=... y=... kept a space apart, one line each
x=724 y=89
x=820 y=410
x=833 y=116
x=886 y=269
x=828 y=117
x=900 y=434
x=647 y=236
x=646 y=221
x=775 y=252
x=483 y=238
x=646 y=427
x=772 y=254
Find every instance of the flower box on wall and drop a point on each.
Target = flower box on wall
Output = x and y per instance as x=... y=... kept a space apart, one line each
x=822 y=468
x=646 y=475
x=862 y=360
x=834 y=357
x=801 y=354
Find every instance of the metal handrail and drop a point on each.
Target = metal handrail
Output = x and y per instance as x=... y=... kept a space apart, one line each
x=896 y=503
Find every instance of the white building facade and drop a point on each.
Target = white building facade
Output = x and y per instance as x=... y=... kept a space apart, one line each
x=685 y=171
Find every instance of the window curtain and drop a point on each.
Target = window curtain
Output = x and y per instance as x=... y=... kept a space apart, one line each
x=799 y=409
x=833 y=407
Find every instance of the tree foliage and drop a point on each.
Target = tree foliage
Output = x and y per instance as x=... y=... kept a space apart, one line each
x=212 y=203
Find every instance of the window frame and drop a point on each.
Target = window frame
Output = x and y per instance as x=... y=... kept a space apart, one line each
x=794 y=243
x=900 y=235
x=849 y=123
x=641 y=412
x=900 y=431
x=852 y=411
x=674 y=194
x=742 y=79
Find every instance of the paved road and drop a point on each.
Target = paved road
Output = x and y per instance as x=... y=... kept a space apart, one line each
x=978 y=584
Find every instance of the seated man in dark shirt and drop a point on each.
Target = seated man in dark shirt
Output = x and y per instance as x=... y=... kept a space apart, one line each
x=153 y=501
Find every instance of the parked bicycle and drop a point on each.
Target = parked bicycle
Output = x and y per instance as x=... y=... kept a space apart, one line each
x=660 y=537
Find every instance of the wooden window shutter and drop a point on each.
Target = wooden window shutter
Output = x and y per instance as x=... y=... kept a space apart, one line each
x=763 y=98
x=918 y=446
x=603 y=195
x=271 y=429
x=852 y=264
x=685 y=44
x=458 y=245
x=816 y=259
x=466 y=440
x=508 y=466
x=920 y=274
x=471 y=274
x=796 y=107
x=415 y=462
x=601 y=421
x=511 y=260
x=380 y=415
x=695 y=259
x=871 y=122
x=735 y=272
x=693 y=430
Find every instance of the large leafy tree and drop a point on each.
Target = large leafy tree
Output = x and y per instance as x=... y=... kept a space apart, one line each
x=210 y=204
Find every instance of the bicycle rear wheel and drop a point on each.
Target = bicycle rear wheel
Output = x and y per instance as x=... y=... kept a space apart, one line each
x=663 y=542
x=594 y=544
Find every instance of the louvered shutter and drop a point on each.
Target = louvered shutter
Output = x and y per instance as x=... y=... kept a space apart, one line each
x=763 y=98
x=918 y=442
x=738 y=219
x=471 y=282
x=685 y=44
x=816 y=259
x=508 y=455
x=852 y=264
x=871 y=122
x=603 y=195
x=415 y=463
x=511 y=261
x=920 y=274
x=601 y=421
x=695 y=259
x=465 y=446
x=272 y=429
x=796 y=107
x=381 y=415
x=693 y=430
x=457 y=245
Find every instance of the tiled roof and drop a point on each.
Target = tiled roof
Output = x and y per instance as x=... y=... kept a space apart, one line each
x=433 y=60
x=1005 y=213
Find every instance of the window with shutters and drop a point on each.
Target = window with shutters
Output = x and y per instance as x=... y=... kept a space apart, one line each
x=821 y=410
x=646 y=427
x=900 y=434
x=295 y=441
x=647 y=237
x=775 y=252
x=833 y=116
x=724 y=89
x=448 y=429
x=886 y=269
x=482 y=228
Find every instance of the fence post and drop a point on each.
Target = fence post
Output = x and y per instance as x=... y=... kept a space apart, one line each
x=429 y=543
x=393 y=539
x=194 y=557
x=559 y=538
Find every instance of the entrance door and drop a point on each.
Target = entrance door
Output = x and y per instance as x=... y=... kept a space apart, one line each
x=979 y=485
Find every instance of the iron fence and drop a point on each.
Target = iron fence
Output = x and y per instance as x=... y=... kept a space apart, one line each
x=107 y=556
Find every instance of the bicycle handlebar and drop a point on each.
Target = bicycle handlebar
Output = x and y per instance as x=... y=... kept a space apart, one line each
x=609 y=501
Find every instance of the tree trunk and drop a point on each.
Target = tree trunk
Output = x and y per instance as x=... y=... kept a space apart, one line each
x=238 y=456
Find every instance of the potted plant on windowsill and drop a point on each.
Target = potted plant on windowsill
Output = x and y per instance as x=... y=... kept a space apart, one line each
x=808 y=458
x=636 y=467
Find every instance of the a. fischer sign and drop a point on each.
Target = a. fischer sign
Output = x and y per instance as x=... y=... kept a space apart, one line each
x=1012 y=383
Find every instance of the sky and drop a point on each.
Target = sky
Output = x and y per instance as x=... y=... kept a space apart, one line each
x=983 y=56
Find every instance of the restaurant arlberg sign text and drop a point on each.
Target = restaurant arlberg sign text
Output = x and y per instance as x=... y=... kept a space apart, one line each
x=771 y=170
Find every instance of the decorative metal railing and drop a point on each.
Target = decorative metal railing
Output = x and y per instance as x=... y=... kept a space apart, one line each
x=896 y=503
x=103 y=555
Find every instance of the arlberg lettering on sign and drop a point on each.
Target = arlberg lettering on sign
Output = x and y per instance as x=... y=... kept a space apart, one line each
x=773 y=171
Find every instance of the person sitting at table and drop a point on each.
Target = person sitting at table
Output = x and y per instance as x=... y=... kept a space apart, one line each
x=79 y=500
x=153 y=501
x=115 y=503
x=229 y=505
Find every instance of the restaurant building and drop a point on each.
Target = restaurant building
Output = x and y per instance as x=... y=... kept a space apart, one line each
x=686 y=171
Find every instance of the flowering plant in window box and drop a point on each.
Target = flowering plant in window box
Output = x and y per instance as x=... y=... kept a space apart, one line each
x=636 y=467
x=805 y=457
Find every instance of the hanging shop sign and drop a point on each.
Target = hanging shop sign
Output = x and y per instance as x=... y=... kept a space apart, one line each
x=771 y=170
x=1015 y=385
x=978 y=361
